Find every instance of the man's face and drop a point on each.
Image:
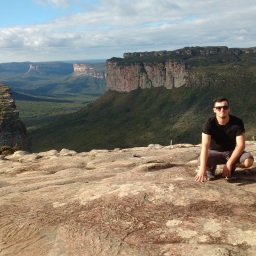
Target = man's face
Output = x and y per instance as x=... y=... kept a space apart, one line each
x=221 y=109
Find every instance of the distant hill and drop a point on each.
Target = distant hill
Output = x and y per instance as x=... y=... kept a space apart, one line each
x=52 y=78
x=15 y=67
x=49 y=68
x=12 y=70
x=56 y=86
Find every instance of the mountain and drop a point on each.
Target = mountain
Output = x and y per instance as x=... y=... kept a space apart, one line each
x=190 y=66
x=49 y=68
x=13 y=69
x=128 y=116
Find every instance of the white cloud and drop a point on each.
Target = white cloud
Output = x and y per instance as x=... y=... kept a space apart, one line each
x=56 y=3
x=111 y=27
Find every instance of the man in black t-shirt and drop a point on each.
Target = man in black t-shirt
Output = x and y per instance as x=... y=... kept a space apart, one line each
x=223 y=142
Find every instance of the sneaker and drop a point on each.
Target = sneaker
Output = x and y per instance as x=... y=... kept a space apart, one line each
x=210 y=175
x=232 y=177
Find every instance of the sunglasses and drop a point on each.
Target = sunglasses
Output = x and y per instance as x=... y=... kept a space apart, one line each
x=224 y=107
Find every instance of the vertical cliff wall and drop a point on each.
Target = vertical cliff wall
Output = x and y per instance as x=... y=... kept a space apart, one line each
x=125 y=78
x=82 y=69
x=12 y=131
x=172 y=69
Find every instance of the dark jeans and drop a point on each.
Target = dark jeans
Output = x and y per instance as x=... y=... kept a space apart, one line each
x=216 y=157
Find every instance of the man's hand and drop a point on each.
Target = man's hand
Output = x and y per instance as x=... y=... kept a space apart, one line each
x=226 y=172
x=200 y=176
x=240 y=145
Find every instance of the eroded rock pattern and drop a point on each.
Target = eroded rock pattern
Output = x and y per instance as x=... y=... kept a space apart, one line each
x=137 y=201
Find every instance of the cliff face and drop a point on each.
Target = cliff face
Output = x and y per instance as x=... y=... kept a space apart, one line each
x=145 y=75
x=86 y=71
x=169 y=69
x=12 y=131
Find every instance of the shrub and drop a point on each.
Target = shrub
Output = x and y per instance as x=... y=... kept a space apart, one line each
x=7 y=150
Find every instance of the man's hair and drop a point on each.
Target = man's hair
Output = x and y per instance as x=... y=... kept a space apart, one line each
x=220 y=99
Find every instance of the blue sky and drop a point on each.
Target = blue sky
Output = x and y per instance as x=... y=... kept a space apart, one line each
x=49 y=30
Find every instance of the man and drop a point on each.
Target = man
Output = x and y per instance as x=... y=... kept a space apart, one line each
x=223 y=142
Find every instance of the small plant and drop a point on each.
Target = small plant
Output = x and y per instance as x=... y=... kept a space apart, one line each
x=8 y=150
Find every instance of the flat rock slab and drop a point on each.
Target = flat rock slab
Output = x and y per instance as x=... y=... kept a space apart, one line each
x=136 y=202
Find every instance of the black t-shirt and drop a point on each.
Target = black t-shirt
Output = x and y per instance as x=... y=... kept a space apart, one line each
x=223 y=137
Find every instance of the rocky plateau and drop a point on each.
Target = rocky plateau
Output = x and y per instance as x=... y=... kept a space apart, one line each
x=139 y=201
x=168 y=69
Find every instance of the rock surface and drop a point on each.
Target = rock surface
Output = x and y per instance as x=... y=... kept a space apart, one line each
x=13 y=132
x=136 y=202
x=170 y=74
x=83 y=69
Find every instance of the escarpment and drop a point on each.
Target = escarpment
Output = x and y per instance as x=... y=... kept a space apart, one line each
x=85 y=70
x=190 y=66
x=145 y=75
x=13 y=132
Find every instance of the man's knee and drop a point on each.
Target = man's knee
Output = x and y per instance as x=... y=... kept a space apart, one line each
x=246 y=164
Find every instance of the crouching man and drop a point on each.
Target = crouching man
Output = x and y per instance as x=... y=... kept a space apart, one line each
x=223 y=142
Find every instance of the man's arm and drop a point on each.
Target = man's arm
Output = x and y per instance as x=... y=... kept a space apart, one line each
x=240 y=146
x=201 y=175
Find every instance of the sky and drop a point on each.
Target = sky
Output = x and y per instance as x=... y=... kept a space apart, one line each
x=59 y=30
